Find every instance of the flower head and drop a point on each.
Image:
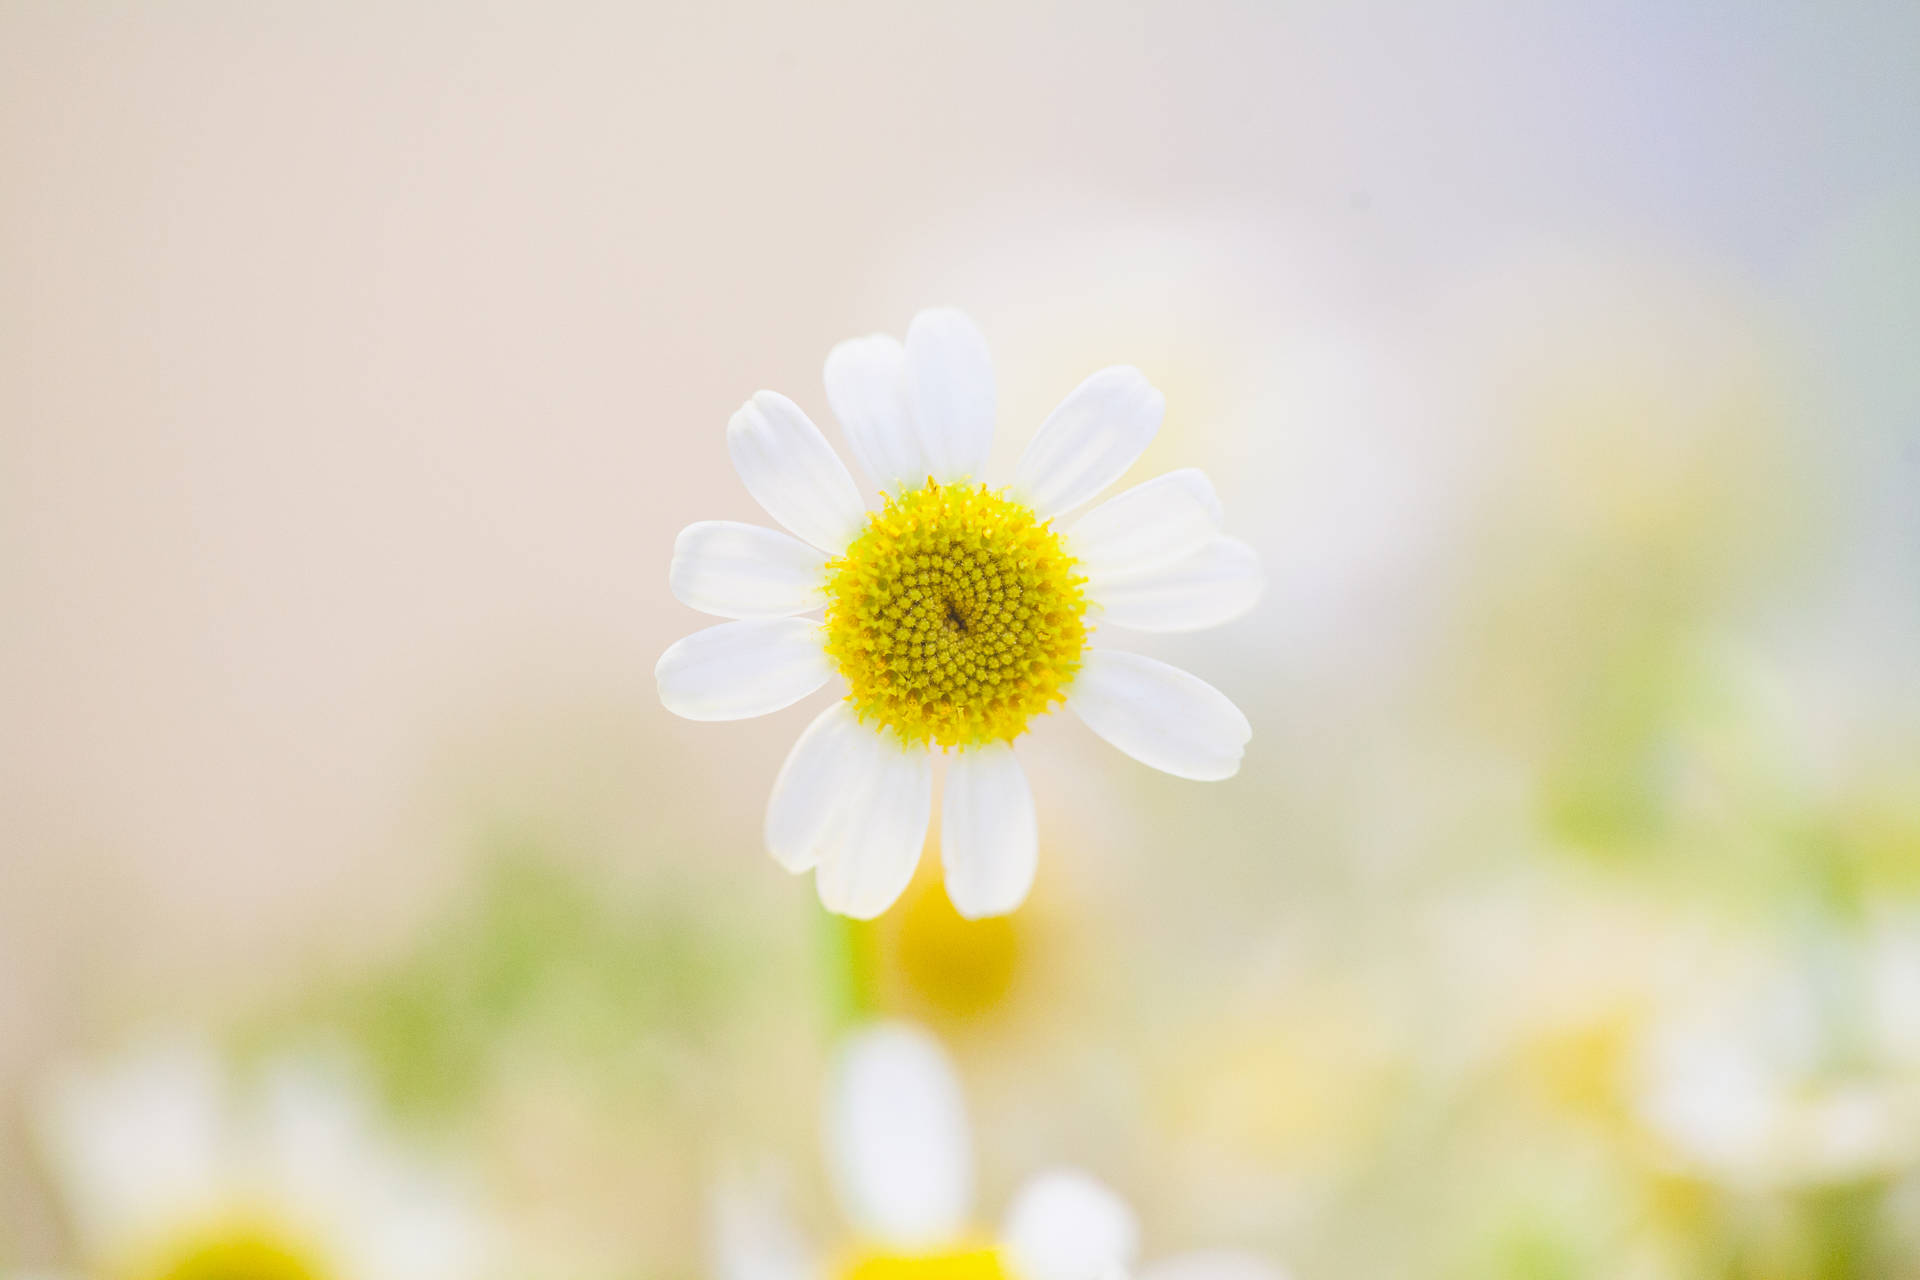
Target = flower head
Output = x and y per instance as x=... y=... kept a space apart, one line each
x=952 y=613
x=171 y=1172
x=955 y=617
x=1802 y=1073
x=901 y=1163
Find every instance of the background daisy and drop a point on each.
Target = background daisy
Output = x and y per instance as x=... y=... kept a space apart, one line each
x=900 y=1157
x=170 y=1169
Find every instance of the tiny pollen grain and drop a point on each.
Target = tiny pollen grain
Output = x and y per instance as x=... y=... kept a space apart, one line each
x=956 y=616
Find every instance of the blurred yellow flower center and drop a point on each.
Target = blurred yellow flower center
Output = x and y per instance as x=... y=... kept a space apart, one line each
x=1582 y=1068
x=956 y=616
x=960 y=1264
x=962 y=967
x=246 y=1255
x=926 y=961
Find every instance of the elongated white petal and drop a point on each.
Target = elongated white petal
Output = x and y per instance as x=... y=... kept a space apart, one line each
x=427 y=1227
x=1154 y=522
x=1090 y=440
x=953 y=393
x=1212 y=1264
x=898 y=1146
x=1205 y=588
x=314 y=1126
x=989 y=843
x=1065 y=1225
x=1160 y=715
x=823 y=774
x=869 y=850
x=791 y=470
x=139 y=1142
x=742 y=669
x=871 y=392
x=736 y=570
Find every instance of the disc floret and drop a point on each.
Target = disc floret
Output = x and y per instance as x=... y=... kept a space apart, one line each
x=956 y=616
x=965 y=1262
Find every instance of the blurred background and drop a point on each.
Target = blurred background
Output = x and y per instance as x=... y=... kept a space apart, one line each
x=358 y=364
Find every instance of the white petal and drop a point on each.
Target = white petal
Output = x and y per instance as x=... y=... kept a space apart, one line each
x=1212 y=1264
x=869 y=850
x=140 y=1142
x=791 y=470
x=413 y=1225
x=315 y=1148
x=1065 y=1225
x=313 y=1126
x=753 y=1238
x=989 y=844
x=742 y=669
x=1160 y=715
x=1205 y=588
x=952 y=392
x=898 y=1146
x=1090 y=440
x=1709 y=1098
x=1152 y=523
x=736 y=570
x=872 y=394
x=825 y=771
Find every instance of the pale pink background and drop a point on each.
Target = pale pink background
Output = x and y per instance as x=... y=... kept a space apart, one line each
x=359 y=362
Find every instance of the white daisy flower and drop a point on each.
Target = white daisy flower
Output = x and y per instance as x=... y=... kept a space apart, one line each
x=902 y=1167
x=1799 y=1076
x=953 y=613
x=169 y=1171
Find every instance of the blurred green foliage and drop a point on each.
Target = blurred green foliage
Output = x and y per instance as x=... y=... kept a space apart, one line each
x=540 y=959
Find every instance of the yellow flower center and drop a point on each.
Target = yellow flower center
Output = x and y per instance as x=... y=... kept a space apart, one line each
x=959 y=1264
x=238 y=1255
x=927 y=962
x=956 y=616
x=1582 y=1068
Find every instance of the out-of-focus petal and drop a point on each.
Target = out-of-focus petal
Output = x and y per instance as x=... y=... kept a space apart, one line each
x=139 y=1142
x=1067 y=1225
x=1212 y=1264
x=751 y=1236
x=899 y=1150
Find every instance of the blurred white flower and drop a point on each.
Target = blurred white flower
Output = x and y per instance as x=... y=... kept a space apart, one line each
x=1810 y=1075
x=1894 y=990
x=955 y=614
x=899 y=1152
x=171 y=1170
